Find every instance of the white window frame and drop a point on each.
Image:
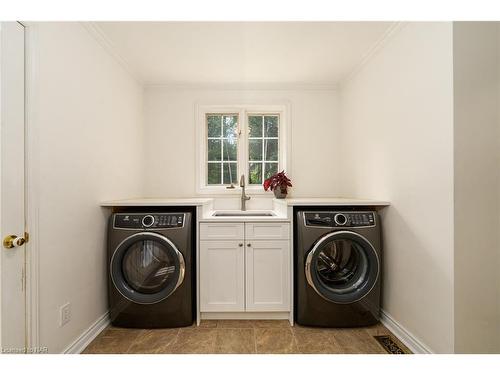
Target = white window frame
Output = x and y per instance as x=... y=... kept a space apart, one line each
x=243 y=111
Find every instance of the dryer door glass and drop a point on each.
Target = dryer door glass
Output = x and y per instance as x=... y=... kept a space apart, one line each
x=342 y=267
x=147 y=267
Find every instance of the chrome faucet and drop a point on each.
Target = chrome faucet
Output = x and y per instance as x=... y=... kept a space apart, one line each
x=244 y=197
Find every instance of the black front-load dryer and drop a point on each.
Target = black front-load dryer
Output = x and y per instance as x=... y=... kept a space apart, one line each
x=150 y=261
x=338 y=265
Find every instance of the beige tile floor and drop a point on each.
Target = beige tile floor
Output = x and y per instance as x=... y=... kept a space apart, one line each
x=242 y=337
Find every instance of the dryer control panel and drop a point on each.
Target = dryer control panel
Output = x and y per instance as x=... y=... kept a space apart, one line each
x=148 y=221
x=334 y=219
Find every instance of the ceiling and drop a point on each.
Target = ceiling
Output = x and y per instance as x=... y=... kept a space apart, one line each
x=242 y=52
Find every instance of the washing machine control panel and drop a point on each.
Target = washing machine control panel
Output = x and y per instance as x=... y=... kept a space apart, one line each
x=149 y=221
x=339 y=219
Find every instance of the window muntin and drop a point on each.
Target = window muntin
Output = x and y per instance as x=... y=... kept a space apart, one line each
x=222 y=148
x=263 y=147
x=270 y=136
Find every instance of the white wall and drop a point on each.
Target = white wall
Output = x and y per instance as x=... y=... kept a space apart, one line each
x=477 y=186
x=170 y=137
x=397 y=145
x=88 y=117
x=388 y=136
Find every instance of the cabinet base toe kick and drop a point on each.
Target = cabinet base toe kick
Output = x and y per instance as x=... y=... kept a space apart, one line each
x=274 y=315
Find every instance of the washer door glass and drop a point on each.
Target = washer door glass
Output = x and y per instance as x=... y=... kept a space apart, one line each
x=342 y=267
x=147 y=267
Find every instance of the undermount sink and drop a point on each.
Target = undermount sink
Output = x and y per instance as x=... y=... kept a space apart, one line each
x=243 y=213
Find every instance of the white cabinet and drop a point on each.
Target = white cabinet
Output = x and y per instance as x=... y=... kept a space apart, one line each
x=249 y=273
x=267 y=275
x=222 y=276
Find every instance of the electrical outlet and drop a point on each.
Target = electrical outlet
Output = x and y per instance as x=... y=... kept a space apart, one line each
x=64 y=314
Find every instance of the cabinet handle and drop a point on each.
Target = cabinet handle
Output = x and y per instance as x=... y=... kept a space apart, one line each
x=240 y=244
x=249 y=244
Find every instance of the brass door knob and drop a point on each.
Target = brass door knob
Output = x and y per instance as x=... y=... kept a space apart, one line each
x=12 y=241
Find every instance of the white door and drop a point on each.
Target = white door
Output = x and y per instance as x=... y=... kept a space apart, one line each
x=268 y=275
x=12 y=212
x=222 y=276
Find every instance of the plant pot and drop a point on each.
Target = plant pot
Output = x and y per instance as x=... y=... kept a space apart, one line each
x=280 y=193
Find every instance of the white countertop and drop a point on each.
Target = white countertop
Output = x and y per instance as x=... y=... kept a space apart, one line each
x=200 y=201
x=280 y=207
x=138 y=202
x=330 y=202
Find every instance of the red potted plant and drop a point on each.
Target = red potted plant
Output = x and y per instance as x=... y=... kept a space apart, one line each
x=279 y=184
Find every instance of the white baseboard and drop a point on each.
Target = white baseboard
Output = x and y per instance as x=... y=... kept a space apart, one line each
x=86 y=337
x=405 y=336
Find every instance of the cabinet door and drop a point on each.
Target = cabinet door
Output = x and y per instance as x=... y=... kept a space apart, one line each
x=222 y=276
x=267 y=275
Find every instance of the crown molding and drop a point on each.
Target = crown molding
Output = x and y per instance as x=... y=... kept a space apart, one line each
x=271 y=86
x=380 y=44
x=100 y=36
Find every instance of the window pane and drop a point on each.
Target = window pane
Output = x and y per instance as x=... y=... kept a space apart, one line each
x=214 y=149
x=255 y=149
x=214 y=126
x=230 y=174
x=255 y=126
x=255 y=173
x=230 y=150
x=270 y=169
x=270 y=126
x=230 y=126
x=271 y=149
x=214 y=173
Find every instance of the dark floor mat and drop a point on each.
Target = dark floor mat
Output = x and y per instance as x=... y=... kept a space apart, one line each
x=390 y=345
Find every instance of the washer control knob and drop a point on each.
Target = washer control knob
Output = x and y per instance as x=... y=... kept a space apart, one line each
x=340 y=219
x=148 y=221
